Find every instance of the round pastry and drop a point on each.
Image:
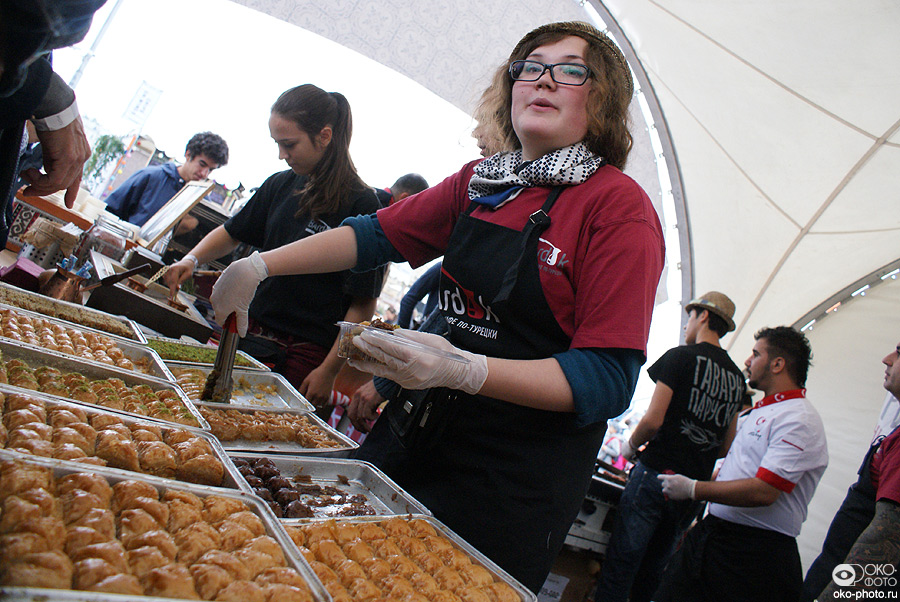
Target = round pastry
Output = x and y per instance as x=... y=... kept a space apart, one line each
x=209 y=579
x=39 y=569
x=142 y=560
x=118 y=584
x=171 y=581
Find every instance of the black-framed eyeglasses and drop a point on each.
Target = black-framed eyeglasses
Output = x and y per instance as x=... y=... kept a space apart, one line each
x=567 y=74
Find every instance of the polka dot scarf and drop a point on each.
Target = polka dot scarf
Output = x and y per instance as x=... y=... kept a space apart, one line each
x=498 y=179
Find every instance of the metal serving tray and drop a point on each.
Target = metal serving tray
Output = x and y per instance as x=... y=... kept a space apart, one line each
x=350 y=476
x=36 y=357
x=232 y=479
x=64 y=310
x=274 y=529
x=525 y=594
x=133 y=350
x=253 y=389
x=343 y=450
x=254 y=364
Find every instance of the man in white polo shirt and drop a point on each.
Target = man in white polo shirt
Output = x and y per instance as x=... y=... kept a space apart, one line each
x=746 y=548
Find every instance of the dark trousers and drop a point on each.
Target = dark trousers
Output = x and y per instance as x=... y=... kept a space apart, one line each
x=646 y=530
x=720 y=560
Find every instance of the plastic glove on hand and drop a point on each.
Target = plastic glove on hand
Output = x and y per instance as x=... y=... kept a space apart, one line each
x=413 y=369
x=235 y=288
x=678 y=487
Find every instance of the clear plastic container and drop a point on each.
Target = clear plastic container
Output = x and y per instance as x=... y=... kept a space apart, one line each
x=348 y=350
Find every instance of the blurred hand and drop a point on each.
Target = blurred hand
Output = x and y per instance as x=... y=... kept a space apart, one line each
x=317 y=386
x=412 y=369
x=677 y=486
x=65 y=151
x=363 y=406
x=177 y=273
x=628 y=452
x=235 y=288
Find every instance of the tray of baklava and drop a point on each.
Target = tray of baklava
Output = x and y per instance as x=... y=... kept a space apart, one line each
x=252 y=388
x=198 y=354
x=303 y=489
x=93 y=383
x=414 y=557
x=80 y=341
x=108 y=533
x=270 y=430
x=118 y=326
x=33 y=423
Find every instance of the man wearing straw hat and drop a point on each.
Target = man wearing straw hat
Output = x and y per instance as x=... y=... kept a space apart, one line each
x=689 y=424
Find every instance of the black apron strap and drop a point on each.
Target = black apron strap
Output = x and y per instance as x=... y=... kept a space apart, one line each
x=537 y=223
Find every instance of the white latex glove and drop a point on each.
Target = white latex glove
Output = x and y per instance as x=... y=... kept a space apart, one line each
x=235 y=288
x=677 y=486
x=627 y=451
x=412 y=369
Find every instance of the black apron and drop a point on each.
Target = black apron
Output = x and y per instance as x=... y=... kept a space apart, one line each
x=506 y=478
x=851 y=519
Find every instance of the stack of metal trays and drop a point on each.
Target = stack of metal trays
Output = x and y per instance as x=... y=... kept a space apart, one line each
x=420 y=543
x=196 y=354
x=324 y=487
x=269 y=430
x=140 y=355
x=71 y=312
x=96 y=419
x=217 y=504
x=36 y=358
x=253 y=389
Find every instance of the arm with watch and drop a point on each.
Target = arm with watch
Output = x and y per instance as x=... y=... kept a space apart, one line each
x=217 y=243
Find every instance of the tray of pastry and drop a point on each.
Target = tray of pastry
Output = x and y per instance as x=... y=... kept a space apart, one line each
x=302 y=489
x=33 y=423
x=252 y=388
x=71 y=312
x=377 y=557
x=36 y=329
x=93 y=383
x=267 y=430
x=106 y=532
x=197 y=354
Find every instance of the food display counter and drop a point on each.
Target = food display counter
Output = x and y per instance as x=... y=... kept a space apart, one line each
x=114 y=481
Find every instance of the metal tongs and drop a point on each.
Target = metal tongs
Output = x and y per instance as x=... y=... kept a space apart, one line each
x=219 y=382
x=110 y=280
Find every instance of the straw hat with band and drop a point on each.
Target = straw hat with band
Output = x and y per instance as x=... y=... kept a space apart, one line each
x=715 y=303
x=589 y=33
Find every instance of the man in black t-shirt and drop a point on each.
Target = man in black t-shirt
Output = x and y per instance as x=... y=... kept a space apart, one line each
x=689 y=424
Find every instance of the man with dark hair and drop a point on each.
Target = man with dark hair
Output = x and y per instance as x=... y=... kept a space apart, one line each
x=146 y=191
x=746 y=547
x=689 y=424
x=866 y=529
x=406 y=185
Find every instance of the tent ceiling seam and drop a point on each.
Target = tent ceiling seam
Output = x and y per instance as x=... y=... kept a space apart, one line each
x=772 y=79
x=831 y=197
x=845 y=232
x=731 y=159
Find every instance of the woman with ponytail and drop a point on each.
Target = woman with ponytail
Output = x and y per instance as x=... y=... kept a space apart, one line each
x=292 y=319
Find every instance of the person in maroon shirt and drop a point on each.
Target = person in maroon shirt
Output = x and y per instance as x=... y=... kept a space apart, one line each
x=866 y=529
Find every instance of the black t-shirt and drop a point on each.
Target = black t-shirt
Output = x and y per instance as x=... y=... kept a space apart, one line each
x=307 y=306
x=707 y=388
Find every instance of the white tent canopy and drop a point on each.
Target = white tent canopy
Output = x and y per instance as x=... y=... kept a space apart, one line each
x=784 y=120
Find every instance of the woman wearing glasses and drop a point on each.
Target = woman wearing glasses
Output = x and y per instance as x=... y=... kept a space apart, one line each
x=292 y=319
x=551 y=261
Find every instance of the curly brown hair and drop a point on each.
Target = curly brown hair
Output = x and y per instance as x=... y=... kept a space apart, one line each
x=608 y=100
